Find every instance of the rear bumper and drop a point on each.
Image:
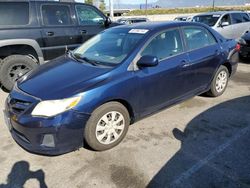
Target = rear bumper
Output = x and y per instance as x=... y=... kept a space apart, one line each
x=48 y=136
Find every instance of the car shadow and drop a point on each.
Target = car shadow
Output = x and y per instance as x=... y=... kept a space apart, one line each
x=20 y=173
x=215 y=150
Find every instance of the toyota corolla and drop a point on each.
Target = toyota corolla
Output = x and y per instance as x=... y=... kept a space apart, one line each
x=91 y=95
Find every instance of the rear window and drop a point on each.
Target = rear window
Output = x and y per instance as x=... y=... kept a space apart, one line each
x=14 y=13
x=197 y=37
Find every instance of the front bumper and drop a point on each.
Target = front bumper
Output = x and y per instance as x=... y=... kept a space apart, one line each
x=48 y=136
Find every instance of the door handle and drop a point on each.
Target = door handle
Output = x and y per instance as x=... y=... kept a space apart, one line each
x=185 y=63
x=83 y=32
x=50 y=33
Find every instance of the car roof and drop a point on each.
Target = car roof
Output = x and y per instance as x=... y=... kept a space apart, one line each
x=220 y=12
x=154 y=26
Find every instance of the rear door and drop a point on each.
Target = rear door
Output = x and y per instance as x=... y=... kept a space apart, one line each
x=204 y=56
x=59 y=29
x=240 y=24
x=90 y=21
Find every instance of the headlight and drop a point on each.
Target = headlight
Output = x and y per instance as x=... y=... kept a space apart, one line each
x=53 y=107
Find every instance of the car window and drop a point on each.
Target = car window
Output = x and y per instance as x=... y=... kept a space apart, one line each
x=88 y=15
x=245 y=17
x=226 y=18
x=56 y=15
x=198 y=37
x=14 y=13
x=237 y=18
x=165 y=45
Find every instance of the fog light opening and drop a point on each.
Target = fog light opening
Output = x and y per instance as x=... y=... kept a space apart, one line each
x=48 y=141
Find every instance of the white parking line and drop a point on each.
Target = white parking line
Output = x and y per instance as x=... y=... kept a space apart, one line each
x=201 y=163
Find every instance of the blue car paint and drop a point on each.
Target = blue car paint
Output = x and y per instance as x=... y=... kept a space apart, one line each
x=143 y=91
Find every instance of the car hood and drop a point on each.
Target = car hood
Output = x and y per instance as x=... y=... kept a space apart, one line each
x=61 y=78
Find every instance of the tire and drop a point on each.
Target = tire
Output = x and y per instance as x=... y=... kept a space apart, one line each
x=101 y=119
x=219 y=83
x=1 y=87
x=1 y=61
x=13 y=67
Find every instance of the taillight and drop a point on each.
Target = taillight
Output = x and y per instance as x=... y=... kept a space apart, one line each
x=237 y=47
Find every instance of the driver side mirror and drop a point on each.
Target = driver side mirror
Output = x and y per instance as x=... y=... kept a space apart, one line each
x=107 y=21
x=224 y=24
x=148 y=61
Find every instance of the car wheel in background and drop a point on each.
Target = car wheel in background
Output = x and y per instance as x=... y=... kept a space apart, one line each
x=107 y=126
x=1 y=61
x=13 y=67
x=219 y=83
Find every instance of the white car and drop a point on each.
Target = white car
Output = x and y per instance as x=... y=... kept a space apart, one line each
x=230 y=24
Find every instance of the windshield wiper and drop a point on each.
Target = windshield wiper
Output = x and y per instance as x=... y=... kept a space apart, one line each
x=77 y=57
x=89 y=61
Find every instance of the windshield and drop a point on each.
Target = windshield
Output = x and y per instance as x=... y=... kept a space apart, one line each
x=209 y=20
x=110 y=47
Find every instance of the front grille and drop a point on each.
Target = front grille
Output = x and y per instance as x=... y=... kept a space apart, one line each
x=18 y=106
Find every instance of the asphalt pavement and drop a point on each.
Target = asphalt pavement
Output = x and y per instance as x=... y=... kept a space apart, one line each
x=203 y=142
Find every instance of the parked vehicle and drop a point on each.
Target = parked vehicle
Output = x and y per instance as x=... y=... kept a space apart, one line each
x=32 y=32
x=92 y=94
x=230 y=24
x=132 y=20
x=244 y=42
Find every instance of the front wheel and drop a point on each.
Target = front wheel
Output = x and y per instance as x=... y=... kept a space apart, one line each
x=219 y=83
x=107 y=126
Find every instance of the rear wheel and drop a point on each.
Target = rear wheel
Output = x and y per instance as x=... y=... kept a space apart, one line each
x=107 y=126
x=219 y=83
x=13 y=67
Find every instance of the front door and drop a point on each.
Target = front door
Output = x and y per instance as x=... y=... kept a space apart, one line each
x=158 y=86
x=226 y=30
x=90 y=20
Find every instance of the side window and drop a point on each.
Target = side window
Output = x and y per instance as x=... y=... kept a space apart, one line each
x=226 y=18
x=245 y=17
x=198 y=37
x=14 y=13
x=56 y=15
x=88 y=16
x=237 y=18
x=165 y=45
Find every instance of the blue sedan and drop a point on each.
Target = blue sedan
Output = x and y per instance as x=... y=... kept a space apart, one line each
x=91 y=95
